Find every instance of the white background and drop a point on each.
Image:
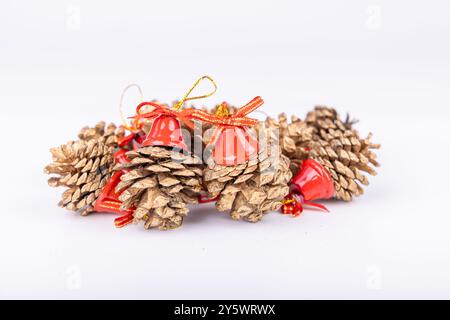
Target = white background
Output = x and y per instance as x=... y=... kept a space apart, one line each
x=63 y=65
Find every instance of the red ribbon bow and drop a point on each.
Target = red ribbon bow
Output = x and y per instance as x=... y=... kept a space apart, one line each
x=184 y=115
x=237 y=119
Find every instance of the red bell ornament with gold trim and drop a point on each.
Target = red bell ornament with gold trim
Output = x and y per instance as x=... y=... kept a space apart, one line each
x=233 y=141
x=234 y=146
x=165 y=131
x=313 y=181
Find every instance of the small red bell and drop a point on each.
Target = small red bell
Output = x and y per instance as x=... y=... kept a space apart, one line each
x=165 y=131
x=287 y=208
x=292 y=205
x=313 y=181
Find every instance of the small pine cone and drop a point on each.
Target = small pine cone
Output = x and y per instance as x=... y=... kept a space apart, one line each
x=340 y=149
x=109 y=134
x=84 y=166
x=254 y=188
x=160 y=183
x=295 y=137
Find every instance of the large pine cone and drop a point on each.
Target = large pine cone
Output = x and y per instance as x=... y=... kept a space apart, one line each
x=160 y=184
x=84 y=166
x=254 y=188
x=340 y=149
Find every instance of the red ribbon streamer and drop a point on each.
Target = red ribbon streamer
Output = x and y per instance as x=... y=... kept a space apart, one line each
x=124 y=220
x=316 y=205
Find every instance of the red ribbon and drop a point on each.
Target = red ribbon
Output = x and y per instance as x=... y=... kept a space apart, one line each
x=203 y=198
x=124 y=220
x=238 y=119
x=184 y=115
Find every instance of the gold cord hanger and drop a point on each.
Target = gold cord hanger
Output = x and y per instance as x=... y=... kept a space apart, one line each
x=186 y=98
x=124 y=121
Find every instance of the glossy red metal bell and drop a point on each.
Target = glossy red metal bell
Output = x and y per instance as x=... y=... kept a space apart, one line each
x=313 y=181
x=234 y=146
x=165 y=131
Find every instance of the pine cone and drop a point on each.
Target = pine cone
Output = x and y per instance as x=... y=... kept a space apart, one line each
x=160 y=184
x=253 y=188
x=109 y=134
x=340 y=149
x=84 y=167
x=296 y=138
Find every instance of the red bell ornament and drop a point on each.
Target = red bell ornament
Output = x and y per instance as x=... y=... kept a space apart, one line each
x=287 y=208
x=313 y=181
x=234 y=146
x=233 y=142
x=165 y=131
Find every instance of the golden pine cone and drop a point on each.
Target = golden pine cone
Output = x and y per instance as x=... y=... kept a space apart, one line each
x=160 y=184
x=84 y=167
x=254 y=188
x=340 y=149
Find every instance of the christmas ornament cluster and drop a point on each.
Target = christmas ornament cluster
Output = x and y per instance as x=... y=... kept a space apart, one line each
x=173 y=157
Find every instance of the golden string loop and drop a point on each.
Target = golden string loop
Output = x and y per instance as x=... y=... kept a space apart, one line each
x=124 y=121
x=186 y=96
